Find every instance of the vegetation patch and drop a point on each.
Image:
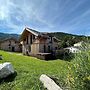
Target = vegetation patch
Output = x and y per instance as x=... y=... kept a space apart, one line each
x=29 y=69
x=72 y=75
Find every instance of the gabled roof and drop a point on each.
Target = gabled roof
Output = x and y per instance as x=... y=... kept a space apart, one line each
x=36 y=33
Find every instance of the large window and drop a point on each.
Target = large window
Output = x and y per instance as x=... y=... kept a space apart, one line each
x=29 y=48
x=27 y=39
x=31 y=39
x=9 y=45
x=44 y=49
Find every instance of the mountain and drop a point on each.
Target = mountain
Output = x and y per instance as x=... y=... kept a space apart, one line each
x=6 y=35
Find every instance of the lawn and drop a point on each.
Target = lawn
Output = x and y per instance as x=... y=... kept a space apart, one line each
x=28 y=70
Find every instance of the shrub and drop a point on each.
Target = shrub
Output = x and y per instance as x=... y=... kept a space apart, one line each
x=64 y=55
x=79 y=70
x=87 y=83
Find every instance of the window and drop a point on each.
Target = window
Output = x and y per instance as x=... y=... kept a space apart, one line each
x=44 y=49
x=29 y=48
x=49 y=49
x=9 y=45
x=55 y=48
x=31 y=39
x=51 y=39
x=27 y=39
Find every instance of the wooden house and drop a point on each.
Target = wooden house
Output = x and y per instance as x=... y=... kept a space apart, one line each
x=37 y=43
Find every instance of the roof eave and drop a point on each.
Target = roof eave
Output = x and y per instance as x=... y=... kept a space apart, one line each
x=29 y=30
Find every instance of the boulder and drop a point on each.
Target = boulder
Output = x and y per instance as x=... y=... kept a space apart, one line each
x=49 y=83
x=6 y=69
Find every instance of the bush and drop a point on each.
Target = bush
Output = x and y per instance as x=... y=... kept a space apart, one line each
x=87 y=83
x=64 y=55
x=79 y=70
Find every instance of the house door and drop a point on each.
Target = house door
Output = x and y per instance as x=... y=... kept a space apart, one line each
x=13 y=49
x=44 y=48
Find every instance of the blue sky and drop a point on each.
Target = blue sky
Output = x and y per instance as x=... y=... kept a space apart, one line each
x=70 y=16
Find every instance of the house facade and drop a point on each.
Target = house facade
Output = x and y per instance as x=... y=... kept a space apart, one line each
x=11 y=45
x=34 y=42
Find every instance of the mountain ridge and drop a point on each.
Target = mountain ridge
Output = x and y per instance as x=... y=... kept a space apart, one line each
x=4 y=36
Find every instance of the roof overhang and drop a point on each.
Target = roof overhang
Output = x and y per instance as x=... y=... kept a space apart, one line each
x=30 y=30
x=27 y=31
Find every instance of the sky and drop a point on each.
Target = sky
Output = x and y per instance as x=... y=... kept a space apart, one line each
x=69 y=16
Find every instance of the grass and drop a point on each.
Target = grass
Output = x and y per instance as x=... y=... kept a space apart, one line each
x=28 y=70
x=74 y=75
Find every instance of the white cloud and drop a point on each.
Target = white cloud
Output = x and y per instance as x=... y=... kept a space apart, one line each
x=17 y=14
x=4 y=9
x=23 y=12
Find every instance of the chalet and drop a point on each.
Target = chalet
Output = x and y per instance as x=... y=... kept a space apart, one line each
x=10 y=44
x=37 y=43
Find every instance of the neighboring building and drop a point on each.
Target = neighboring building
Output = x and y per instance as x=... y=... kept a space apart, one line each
x=34 y=42
x=10 y=44
x=73 y=49
x=78 y=47
x=78 y=44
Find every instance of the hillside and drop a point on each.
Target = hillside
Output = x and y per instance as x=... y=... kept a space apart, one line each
x=69 y=39
x=5 y=36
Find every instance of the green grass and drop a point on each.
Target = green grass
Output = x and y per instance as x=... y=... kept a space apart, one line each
x=29 y=70
x=73 y=75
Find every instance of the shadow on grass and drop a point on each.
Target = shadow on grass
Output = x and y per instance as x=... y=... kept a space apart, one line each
x=59 y=81
x=10 y=78
x=66 y=57
x=61 y=57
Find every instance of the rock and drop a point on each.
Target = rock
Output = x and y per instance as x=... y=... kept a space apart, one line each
x=49 y=83
x=6 y=69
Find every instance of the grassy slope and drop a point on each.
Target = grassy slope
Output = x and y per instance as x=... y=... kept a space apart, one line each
x=29 y=70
